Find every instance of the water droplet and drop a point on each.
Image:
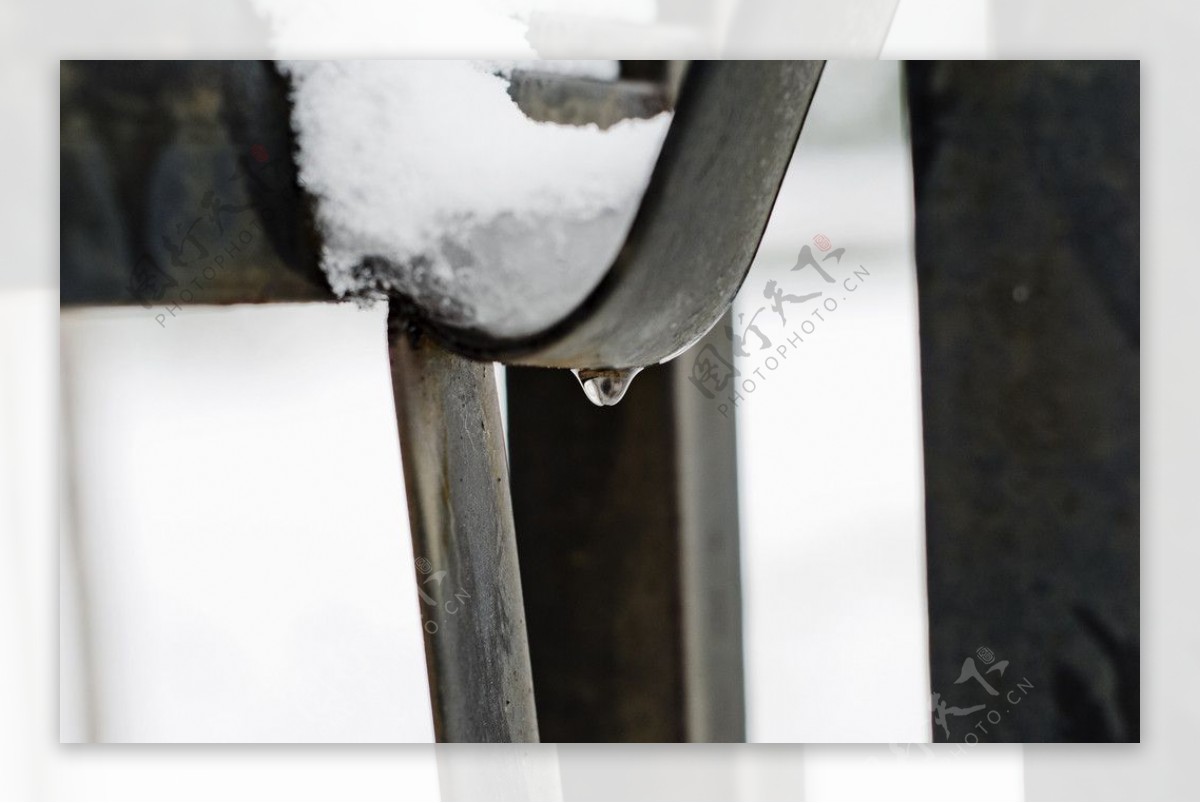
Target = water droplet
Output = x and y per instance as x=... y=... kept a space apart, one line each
x=605 y=387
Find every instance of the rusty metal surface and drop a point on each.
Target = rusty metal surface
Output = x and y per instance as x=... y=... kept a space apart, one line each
x=456 y=480
x=1027 y=248
x=627 y=531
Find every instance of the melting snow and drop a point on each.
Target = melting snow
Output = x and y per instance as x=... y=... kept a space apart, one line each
x=430 y=180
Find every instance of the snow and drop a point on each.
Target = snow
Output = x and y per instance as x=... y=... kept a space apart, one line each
x=430 y=181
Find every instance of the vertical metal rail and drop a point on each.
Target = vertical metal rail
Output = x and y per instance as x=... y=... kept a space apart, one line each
x=456 y=478
x=1027 y=200
x=632 y=573
x=710 y=555
x=601 y=561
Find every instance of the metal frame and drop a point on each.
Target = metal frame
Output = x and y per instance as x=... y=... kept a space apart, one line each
x=144 y=143
x=456 y=478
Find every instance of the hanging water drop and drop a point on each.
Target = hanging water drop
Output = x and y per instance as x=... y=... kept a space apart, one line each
x=605 y=387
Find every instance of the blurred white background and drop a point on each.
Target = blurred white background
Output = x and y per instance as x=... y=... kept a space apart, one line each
x=33 y=765
x=235 y=536
x=830 y=440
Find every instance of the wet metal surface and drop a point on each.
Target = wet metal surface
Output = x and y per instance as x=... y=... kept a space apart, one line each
x=469 y=584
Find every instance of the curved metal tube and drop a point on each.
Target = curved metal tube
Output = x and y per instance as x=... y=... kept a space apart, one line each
x=696 y=232
x=147 y=145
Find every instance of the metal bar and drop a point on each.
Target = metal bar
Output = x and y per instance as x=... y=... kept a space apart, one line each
x=456 y=480
x=565 y=100
x=178 y=187
x=627 y=523
x=696 y=232
x=710 y=555
x=1027 y=179
x=147 y=146
x=594 y=502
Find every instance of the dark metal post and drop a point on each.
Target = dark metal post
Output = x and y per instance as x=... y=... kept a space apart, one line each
x=1026 y=180
x=627 y=529
x=456 y=478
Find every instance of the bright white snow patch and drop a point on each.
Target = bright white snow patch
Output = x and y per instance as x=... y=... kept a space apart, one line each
x=431 y=181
